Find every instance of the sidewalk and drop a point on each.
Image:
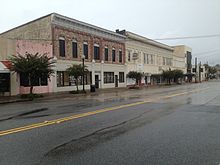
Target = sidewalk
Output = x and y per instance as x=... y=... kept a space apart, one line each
x=59 y=95
x=11 y=99
x=98 y=92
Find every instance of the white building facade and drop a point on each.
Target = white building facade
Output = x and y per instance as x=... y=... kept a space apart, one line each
x=151 y=57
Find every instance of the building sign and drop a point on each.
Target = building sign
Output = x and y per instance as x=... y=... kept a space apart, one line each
x=140 y=67
x=135 y=56
x=4 y=82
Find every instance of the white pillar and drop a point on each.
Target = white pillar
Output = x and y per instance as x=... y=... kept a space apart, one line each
x=54 y=77
x=102 y=74
x=93 y=72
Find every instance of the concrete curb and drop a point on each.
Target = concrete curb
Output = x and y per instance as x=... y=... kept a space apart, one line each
x=14 y=101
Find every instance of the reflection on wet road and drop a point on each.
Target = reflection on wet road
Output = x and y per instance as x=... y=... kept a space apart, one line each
x=171 y=125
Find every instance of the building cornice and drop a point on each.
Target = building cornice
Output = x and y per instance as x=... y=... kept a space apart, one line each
x=133 y=36
x=66 y=22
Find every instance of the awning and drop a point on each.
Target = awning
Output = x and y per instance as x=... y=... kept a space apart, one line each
x=5 y=66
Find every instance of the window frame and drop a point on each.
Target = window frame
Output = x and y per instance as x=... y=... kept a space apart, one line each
x=120 y=58
x=121 y=77
x=74 y=49
x=113 y=55
x=37 y=81
x=62 y=77
x=96 y=53
x=129 y=56
x=62 y=47
x=109 y=77
x=106 y=53
x=87 y=50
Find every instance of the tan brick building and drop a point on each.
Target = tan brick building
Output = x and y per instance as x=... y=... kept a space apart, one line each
x=68 y=41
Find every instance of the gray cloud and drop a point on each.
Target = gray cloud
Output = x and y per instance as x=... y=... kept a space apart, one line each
x=153 y=19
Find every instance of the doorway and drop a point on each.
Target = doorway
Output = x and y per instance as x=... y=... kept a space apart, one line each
x=97 y=81
x=116 y=80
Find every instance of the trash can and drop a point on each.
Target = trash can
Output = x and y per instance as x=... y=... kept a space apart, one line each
x=92 y=88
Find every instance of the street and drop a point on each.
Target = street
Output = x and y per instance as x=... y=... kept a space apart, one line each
x=170 y=125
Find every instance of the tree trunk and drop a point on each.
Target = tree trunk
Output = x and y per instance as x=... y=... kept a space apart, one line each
x=31 y=90
x=77 y=88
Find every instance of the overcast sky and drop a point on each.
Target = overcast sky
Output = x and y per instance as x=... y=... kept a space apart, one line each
x=151 y=18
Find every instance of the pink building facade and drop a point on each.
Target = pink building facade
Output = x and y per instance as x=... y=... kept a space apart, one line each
x=23 y=46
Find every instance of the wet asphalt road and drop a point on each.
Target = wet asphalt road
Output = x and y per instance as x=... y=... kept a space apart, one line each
x=172 y=125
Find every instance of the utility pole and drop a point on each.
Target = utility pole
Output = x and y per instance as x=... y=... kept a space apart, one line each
x=196 y=69
x=83 y=76
x=200 y=71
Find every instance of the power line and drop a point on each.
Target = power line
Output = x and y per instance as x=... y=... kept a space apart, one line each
x=209 y=55
x=169 y=38
x=207 y=52
x=189 y=37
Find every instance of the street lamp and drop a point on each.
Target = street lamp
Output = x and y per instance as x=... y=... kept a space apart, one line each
x=83 y=64
x=54 y=78
x=102 y=76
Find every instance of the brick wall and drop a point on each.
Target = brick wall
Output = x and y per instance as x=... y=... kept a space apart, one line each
x=81 y=37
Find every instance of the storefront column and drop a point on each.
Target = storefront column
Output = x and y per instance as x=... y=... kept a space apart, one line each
x=102 y=74
x=93 y=72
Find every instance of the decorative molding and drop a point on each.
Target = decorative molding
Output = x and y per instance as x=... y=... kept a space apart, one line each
x=84 y=27
x=139 y=38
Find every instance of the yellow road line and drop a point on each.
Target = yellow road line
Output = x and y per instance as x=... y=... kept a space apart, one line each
x=57 y=121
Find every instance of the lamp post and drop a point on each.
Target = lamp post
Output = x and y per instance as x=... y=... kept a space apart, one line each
x=54 y=78
x=102 y=75
x=83 y=64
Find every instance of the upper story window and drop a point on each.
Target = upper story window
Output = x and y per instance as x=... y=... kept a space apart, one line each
x=129 y=55
x=74 y=49
x=106 y=53
x=164 y=61
x=151 y=59
x=113 y=55
x=96 y=52
x=147 y=58
x=85 y=50
x=62 y=51
x=120 y=56
x=169 y=61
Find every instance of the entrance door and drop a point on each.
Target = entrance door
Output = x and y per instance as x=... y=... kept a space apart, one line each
x=97 y=81
x=116 y=80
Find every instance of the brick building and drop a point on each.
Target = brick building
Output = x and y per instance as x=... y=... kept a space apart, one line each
x=68 y=41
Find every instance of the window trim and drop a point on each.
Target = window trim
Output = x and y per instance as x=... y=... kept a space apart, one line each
x=121 y=78
x=74 y=55
x=86 y=55
x=27 y=82
x=113 y=59
x=129 y=55
x=62 y=53
x=96 y=57
x=109 y=77
x=106 y=55
x=120 y=56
